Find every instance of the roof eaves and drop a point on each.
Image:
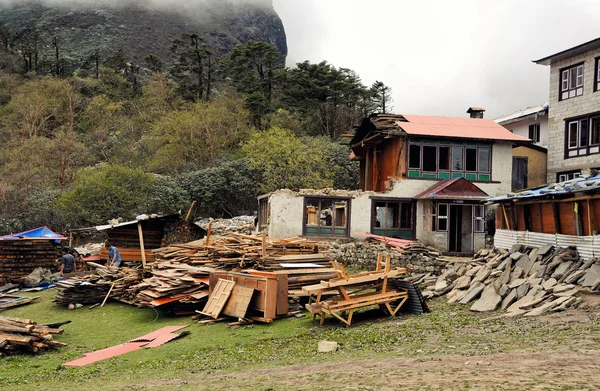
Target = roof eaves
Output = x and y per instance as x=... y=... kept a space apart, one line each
x=575 y=50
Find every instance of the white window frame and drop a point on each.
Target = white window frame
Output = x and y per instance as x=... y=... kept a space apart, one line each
x=569 y=176
x=442 y=217
x=568 y=90
x=478 y=219
x=576 y=123
x=535 y=131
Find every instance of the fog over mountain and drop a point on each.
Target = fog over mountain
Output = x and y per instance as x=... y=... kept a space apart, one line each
x=141 y=27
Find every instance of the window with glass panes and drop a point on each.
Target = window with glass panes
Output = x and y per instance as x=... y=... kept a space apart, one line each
x=571 y=82
x=440 y=159
x=582 y=136
x=326 y=216
x=393 y=218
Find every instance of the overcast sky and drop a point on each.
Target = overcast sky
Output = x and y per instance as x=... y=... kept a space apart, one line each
x=442 y=56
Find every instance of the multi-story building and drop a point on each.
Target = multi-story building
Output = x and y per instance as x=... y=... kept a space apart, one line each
x=421 y=177
x=574 y=115
x=529 y=161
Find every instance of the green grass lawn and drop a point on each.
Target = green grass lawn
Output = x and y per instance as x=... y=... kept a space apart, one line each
x=216 y=349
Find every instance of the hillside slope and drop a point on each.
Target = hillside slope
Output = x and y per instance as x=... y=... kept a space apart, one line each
x=140 y=29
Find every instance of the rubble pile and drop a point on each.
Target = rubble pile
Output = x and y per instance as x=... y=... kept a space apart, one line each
x=523 y=281
x=240 y=224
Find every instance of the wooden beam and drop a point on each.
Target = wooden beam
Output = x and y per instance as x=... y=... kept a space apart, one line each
x=141 y=235
x=189 y=213
x=591 y=218
x=505 y=217
x=556 y=217
x=208 y=231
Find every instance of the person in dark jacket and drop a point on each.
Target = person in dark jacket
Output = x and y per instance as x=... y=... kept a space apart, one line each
x=67 y=262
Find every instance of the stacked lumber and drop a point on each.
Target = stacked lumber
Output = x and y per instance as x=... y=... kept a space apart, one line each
x=233 y=250
x=525 y=281
x=24 y=335
x=372 y=288
x=95 y=287
x=9 y=301
x=129 y=254
x=18 y=258
x=172 y=283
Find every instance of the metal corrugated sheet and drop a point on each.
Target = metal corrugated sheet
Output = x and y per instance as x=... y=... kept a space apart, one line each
x=568 y=187
x=587 y=246
x=474 y=128
x=505 y=238
x=537 y=239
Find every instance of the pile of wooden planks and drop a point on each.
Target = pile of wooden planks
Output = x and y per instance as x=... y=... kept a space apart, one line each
x=356 y=291
x=18 y=258
x=9 y=301
x=24 y=335
x=172 y=283
x=234 y=250
x=95 y=287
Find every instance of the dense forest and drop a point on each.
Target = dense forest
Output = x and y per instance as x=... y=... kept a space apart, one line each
x=107 y=137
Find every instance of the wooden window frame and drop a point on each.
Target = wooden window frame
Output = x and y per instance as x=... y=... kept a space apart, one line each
x=392 y=200
x=321 y=198
x=438 y=144
x=578 y=89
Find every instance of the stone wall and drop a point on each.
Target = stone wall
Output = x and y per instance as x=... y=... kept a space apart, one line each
x=588 y=103
x=362 y=255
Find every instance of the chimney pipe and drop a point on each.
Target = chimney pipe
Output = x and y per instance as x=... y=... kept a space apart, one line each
x=476 y=112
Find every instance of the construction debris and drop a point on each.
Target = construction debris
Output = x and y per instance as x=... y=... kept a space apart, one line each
x=94 y=287
x=24 y=335
x=523 y=281
x=152 y=340
x=9 y=301
x=357 y=291
x=240 y=224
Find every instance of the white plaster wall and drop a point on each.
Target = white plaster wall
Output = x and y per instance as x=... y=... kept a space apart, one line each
x=521 y=128
x=501 y=171
x=286 y=214
x=588 y=103
x=360 y=211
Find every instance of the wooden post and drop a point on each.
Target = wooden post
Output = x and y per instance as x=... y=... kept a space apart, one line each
x=592 y=217
x=189 y=213
x=208 y=234
x=71 y=238
x=505 y=216
x=108 y=294
x=556 y=218
x=589 y=213
x=142 y=249
x=264 y=244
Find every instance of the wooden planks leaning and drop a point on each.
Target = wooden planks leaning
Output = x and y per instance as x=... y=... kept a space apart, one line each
x=218 y=298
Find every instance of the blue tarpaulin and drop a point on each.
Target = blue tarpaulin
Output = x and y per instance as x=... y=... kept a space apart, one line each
x=37 y=233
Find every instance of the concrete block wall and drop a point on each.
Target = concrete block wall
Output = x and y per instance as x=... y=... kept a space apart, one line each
x=587 y=103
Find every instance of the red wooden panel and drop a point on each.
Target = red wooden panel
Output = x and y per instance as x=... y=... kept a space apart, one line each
x=520 y=214
x=567 y=218
x=535 y=218
x=548 y=226
x=499 y=218
x=584 y=211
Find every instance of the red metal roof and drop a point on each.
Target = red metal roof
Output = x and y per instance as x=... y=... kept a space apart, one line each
x=472 y=128
x=457 y=188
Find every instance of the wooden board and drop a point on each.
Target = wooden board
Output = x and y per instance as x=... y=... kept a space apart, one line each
x=218 y=298
x=239 y=301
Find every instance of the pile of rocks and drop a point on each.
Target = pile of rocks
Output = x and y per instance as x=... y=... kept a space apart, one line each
x=240 y=224
x=362 y=255
x=523 y=281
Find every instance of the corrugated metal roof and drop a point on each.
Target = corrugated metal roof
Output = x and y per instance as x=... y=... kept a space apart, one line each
x=568 y=187
x=522 y=113
x=471 y=128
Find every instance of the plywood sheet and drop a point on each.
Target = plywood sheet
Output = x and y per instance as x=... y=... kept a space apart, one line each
x=239 y=301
